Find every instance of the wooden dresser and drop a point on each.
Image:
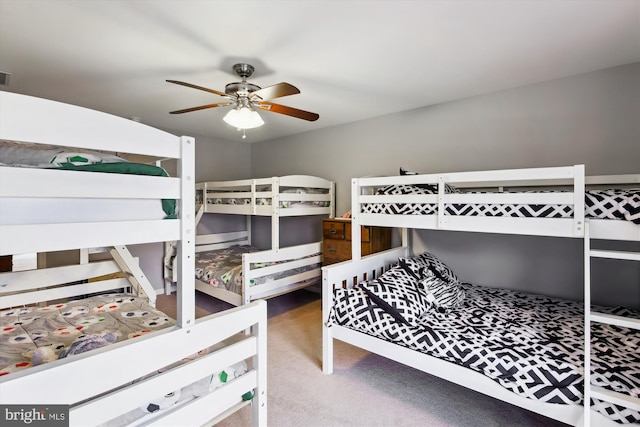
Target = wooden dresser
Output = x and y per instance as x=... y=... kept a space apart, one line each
x=336 y=240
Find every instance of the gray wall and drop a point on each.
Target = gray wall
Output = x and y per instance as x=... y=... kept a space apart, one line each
x=221 y=161
x=591 y=119
x=216 y=160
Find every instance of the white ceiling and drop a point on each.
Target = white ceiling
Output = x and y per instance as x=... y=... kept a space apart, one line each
x=352 y=60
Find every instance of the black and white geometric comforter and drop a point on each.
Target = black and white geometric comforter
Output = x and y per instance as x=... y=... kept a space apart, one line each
x=529 y=344
x=621 y=204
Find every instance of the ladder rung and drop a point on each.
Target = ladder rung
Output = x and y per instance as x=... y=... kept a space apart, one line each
x=598 y=253
x=621 y=399
x=611 y=319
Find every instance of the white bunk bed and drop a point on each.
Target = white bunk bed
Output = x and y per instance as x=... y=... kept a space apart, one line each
x=131 y=373
x=401 y=207
x=228 y=267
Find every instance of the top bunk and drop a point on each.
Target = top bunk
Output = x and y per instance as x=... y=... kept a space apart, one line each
x=280 y=196
x=105 y=201
x=552 y=201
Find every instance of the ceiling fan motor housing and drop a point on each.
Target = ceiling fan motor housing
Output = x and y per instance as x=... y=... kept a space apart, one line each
x=240 y=87
x=244 y=71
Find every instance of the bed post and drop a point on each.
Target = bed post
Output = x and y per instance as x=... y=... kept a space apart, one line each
x=260 y=363
x=587 y=326
x=186 y=244
x=275 y=213
x=247 y=221
x=578 y=201
x=254 y=201
x=327 y=337
x=356 y=251
x=245 y=297
x=332 y=200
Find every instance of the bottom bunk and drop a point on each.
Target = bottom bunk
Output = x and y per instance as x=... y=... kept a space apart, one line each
x=524 y=349
x=232 y=270
x=107 y=357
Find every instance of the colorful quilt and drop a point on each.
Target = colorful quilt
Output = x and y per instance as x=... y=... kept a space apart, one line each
x=222 y=268
x=31 y=336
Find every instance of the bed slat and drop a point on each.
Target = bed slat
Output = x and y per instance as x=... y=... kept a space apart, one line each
x=19 y=239
x=137 y=394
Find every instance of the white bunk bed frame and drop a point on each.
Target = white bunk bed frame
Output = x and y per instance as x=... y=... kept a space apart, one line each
x=287 y=258
x=34 y=120
x=349 y=273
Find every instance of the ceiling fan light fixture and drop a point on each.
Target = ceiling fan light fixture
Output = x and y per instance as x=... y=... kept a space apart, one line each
x=243 y=118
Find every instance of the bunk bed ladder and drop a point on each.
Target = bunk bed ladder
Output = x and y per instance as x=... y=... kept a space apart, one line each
x=130 y=267
x=593 y=391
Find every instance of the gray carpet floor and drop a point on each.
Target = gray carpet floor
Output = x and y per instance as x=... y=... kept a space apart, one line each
x=365 y=389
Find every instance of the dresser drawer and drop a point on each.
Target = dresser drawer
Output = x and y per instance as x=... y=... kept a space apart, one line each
x=334 y=230
x=340 y=250
x=336 y=249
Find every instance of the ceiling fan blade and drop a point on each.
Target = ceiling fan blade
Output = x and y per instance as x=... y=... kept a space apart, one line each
x=202 y=107
x=199 y=88
x=288 y=111
x=276 y=91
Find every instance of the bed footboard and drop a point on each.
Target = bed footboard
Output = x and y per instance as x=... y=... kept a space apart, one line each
x=345 y=275
x=130 y=377
x=292 y=268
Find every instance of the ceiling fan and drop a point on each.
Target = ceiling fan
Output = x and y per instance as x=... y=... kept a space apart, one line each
x=246 y=98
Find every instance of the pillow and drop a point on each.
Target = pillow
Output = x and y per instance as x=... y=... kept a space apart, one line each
x=441 y=294
x=397 y=292
x=421 y=264
x=432 y=188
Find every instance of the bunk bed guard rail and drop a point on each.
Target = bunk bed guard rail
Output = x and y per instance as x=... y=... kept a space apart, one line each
x=488 y=188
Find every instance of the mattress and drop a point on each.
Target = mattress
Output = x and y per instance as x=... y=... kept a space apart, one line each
x=619 y=204
x=529 y=344
x=35 y=335
x=222 y=268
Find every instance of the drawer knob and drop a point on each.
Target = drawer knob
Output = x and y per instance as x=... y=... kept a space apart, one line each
x=332 y=250
x=333 y=231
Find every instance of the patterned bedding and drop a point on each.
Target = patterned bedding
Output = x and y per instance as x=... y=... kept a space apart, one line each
x=34 y=335
x=30 y=336
x=604 y=204
x=284 y=204
x=40 y=156
x=529 y=344
x=222 y=268
x=22 y=154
